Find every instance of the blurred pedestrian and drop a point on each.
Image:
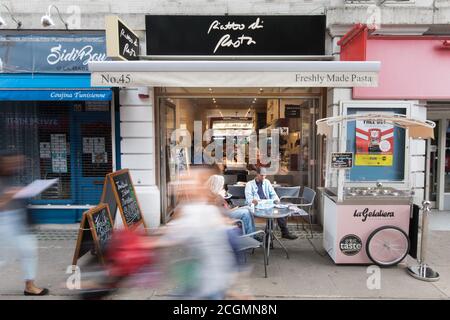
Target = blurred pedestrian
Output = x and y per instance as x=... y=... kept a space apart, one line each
x=202 y=231
x=14 y=224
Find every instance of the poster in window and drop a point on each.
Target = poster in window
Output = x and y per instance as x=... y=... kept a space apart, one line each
x=59 y=153
x=45 y=150
x=88 y=145
x=374 y=143
x=99 y=144
x=101 y=157
x=181 y=161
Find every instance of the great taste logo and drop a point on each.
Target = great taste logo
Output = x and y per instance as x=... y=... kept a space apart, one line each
x=350 y=245
x=366 y=213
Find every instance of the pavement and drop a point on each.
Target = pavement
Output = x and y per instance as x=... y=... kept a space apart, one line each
x=309 y=273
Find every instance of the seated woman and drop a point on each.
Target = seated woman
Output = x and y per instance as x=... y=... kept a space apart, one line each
x=215 y=184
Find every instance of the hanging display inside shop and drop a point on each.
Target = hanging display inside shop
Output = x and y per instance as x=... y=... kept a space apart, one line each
x=374 y=143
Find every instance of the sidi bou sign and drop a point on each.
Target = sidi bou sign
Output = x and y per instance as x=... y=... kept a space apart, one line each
x=50 y=52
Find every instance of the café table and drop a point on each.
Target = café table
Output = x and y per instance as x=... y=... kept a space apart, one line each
x=270 y=214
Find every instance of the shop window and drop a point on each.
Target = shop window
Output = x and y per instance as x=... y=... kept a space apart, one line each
x=70 y=141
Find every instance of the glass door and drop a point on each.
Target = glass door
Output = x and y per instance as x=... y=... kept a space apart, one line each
x=432 y=163
x=167 y=164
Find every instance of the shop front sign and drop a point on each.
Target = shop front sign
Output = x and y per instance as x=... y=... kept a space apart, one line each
x=50 y=53
x=121 y=42
x=234 y=79
x=235 y=35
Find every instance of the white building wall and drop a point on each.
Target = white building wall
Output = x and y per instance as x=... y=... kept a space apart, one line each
x=88 y=14
x=137 y=147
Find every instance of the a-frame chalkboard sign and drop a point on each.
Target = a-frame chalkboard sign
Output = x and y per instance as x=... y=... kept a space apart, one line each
x=109 y=198
x=126 y=199
x=96 y=229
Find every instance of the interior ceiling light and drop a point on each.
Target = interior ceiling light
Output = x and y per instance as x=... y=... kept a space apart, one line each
x=47 y=20
x=3 y=22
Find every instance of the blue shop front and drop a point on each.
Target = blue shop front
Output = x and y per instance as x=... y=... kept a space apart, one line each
x=50 y=114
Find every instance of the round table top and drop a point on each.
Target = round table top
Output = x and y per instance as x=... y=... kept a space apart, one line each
x=272 y=213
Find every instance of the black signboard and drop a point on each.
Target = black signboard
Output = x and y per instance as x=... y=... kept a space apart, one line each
x=341 y=160
x=235 y=35
x=128 y=43
x=121 y=42
x=126 y=199
x=102 y=225
x=292 y=111
x=109 y=198
x=96 y=229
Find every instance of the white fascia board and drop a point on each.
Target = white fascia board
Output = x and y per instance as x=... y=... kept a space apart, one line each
x=234 y=66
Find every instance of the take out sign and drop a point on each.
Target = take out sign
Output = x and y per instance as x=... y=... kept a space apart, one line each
x=121 y=42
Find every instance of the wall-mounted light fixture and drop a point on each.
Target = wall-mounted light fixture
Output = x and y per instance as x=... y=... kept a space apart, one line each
x=47 y=20
x=3 y=22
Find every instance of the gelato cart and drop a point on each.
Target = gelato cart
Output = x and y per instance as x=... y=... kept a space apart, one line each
x=364 y=223
x=356 y=229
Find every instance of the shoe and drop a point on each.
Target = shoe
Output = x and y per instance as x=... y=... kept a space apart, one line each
x=259 y=237
x=44 y=292
x=289 y=236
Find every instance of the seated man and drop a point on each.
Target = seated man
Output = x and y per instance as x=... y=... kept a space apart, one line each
x=260 y=188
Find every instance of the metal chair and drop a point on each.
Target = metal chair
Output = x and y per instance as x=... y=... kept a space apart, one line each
x=230 y=179
x=304 y=205
x=248 y=242
x=283 y=192
x=238 y=195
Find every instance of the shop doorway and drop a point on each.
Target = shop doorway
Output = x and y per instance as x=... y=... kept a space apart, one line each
x=92 y=147
x=438 y=162
x=232 y=114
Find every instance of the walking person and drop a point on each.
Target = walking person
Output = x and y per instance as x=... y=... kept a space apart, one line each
x=14 y=224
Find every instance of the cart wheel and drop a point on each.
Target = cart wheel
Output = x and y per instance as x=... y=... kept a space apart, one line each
x=387 y=246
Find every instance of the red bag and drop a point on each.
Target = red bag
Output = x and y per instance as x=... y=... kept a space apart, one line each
x=125 y=254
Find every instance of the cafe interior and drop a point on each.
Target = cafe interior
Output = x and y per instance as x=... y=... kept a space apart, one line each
x=233 y=114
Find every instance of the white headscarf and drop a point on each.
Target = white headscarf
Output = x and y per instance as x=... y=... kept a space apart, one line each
x=215 y=184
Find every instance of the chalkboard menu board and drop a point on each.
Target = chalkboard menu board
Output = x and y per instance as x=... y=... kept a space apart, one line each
x=96 y=229
x=126 y=199
x=109 y=198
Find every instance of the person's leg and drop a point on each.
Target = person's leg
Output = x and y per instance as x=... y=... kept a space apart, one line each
x=282 y=223
x=246 y=217
x=27 y=247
